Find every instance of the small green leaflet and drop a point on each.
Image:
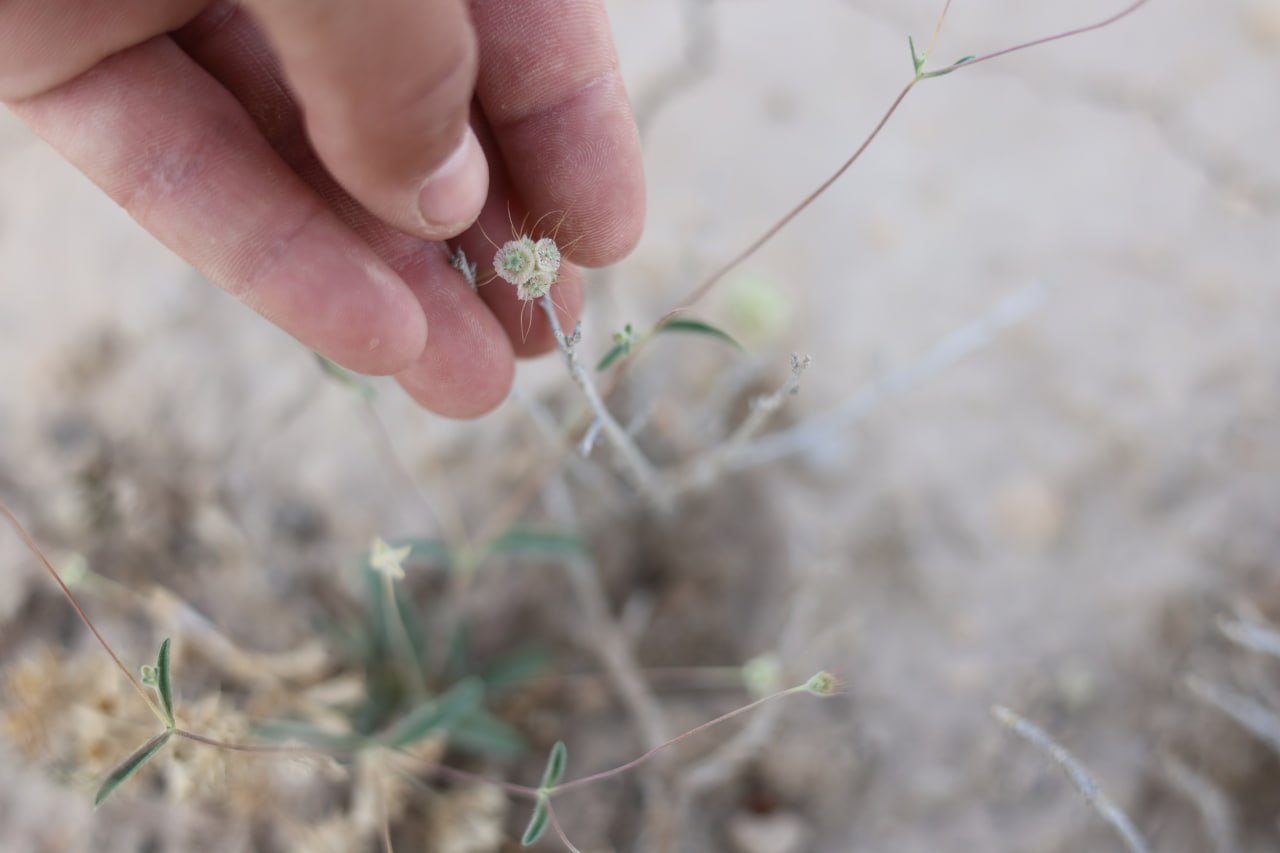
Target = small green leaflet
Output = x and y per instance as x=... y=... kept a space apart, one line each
x=554 y=771
x=481 y=733
x=537 y=823
x=523 y=540
x=916 y=59
x=621 y=346
x=624 y=340
x=696 y=327
x=129 y=766
x=163 y=684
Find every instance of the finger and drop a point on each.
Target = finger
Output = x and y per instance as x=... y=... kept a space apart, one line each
x=504 y=218
x=553 y=95
x=385 y=89
x=172 y=147
x=44 y=43
x=466 y=368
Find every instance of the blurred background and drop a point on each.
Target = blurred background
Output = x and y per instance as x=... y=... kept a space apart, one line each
x=1059 y=521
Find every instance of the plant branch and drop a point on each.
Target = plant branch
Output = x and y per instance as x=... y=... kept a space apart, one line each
x=84 y=617
x=1079 y=777
x=959 y=344
x=639 y=468
x=1106 y=22
x=704 y=470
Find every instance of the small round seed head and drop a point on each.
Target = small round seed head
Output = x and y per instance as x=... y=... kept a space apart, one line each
x=822 y=684
x=515 y=261
x=547 y=255
x=536 y=286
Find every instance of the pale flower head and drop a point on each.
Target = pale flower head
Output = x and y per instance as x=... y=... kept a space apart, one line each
x=536 y=287
x=388 y=561
x=515 y=261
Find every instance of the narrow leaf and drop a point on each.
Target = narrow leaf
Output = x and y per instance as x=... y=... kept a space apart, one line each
x=481 y=733
x=524 y=541
x=163 y=684
x=916 y=59
x=515 y=669
x=537 y=824
x=440 y=714
x=697 y=327
x=554 y=771
x=352 y=380
x=615 y=352
x=129 y=766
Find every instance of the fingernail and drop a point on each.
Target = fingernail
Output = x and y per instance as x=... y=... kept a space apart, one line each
x=451 y=199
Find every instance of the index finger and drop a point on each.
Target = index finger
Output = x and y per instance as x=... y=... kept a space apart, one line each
x=552 y=92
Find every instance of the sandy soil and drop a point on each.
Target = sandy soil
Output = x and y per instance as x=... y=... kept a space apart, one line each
x=1053 y=524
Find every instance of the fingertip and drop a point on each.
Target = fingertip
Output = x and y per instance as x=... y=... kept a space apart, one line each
x=441 y=383
x=450 y=199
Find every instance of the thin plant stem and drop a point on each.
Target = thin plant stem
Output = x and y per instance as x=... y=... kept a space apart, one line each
x=1079 y=777
x=560 y=833
x=937 y=30
x=637 y=465
x=705 y=469
x=636 y=762
x=253 y=747
x=402 y=644
x=710 y=281
x=1106 y=22
x=386 y=817
x=84 y=617
x=955 y=346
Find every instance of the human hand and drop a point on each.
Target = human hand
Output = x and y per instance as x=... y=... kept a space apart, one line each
x=281 y=147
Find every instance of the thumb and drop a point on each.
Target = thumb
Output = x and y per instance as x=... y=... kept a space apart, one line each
x=385 y=89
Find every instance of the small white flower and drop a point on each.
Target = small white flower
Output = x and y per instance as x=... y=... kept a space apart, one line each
x=515 y=261
x=536 y=287
x=388 y=561
x=547 y=255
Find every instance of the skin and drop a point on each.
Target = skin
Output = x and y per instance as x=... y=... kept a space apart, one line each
x=311 y=157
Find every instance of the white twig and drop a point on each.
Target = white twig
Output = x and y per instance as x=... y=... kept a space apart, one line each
x=641 y=471
x=1260 y=720
x=459 y=262
x=962 y=342
x=605 y=639
x=1251 y=634
x=1079 y=777
x=1210 y=800
x=704 y=470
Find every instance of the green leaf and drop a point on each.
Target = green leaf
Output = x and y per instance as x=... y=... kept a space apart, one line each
x=916 y=59
x=697 y=327
x=554 y=771
x=538 y=543
x=440 y=714
x=515 y=668
x=163 y=684
x=537 y=824
x=129 y=766
x=458 y=660
x=380 y=615
x=481 y=733
x=615 y=352
x=962 y=60
x=352 y=380
x=421 y=550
